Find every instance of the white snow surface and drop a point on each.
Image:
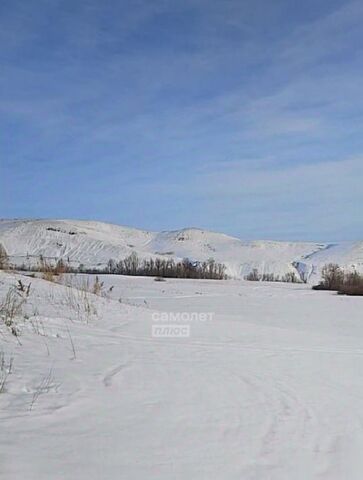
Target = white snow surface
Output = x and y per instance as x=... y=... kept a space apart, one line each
x=94 y=243
x=269 y=388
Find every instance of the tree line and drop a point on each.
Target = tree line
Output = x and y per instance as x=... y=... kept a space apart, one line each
x=131 y=265
x=167 y=268
x=289 y=277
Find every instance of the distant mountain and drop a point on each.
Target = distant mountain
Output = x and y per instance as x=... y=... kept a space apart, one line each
x=94 y=243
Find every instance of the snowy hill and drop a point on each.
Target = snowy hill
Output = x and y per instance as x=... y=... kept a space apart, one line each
x=240 y=257
x=94 y=243
x=90 y=243
x=349 y=255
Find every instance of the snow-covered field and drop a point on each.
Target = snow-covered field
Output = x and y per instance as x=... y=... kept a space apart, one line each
x=268 y=385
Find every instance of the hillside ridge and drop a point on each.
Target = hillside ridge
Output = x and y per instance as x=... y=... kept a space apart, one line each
x=94 y=243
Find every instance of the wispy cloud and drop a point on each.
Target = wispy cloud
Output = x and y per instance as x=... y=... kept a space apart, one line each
x=250 y=98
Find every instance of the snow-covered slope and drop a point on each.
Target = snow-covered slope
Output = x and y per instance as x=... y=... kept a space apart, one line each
x=349 y=255
x=90 y=243
x=270 y=387
x=240 y=257
x=94 y=243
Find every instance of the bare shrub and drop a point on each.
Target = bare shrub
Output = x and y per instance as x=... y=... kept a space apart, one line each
x=80 y=302
x=46 y=269
x=345 y=283
x=37 y=323
x=332 y=277
x=267 y=277
x=97 y=287
x=352 y=284
x=291 y=277
x=11 y=309
x=24 y=288
x=79 y=297
x=6 y=367
x=72 y=343
x=50 y=271
x=60 y=267
x=253 y=276
x=353 y=279
x=43 y=387
x=355 y=290
x=4 y=259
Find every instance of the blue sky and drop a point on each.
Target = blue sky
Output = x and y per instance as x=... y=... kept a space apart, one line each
x=238 y=116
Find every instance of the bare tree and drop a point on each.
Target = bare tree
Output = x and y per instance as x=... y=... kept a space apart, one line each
x=332 y=276
x=253 y=276
x=4 y=259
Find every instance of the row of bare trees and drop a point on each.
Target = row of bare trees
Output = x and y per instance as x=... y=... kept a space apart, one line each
x=333 y=277
x=133 y=265
x=255 y=276
x=168 y=268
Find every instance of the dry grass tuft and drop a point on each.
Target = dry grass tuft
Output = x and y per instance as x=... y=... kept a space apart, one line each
x=11 y=308
x=6 y=368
